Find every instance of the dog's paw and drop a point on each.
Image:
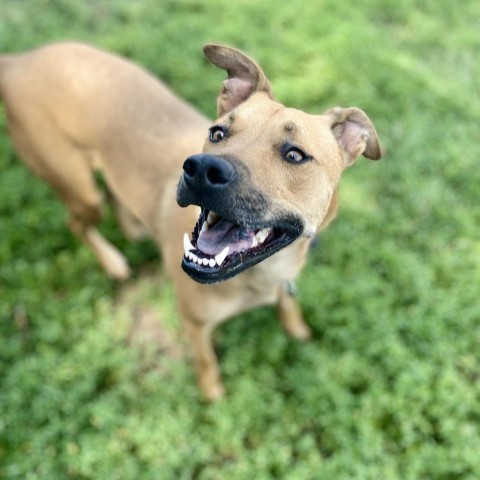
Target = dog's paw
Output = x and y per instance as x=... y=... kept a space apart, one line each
x=299 y=330
x=116 y=266
x=212 y=391
x=110 y=259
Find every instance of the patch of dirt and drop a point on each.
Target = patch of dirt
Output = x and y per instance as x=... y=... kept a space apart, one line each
x=147 y=331
x=145 y=301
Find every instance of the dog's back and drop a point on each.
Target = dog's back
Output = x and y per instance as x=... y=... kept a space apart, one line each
x=118 y=116
x=72 y=108
x=6 y=62
x=88 y=90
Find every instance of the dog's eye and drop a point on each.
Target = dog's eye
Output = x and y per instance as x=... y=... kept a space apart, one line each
x=217 y=133
x=293 y=154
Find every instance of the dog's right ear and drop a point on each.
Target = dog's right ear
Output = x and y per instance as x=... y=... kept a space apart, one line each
x=355 y=132
x=244 y=77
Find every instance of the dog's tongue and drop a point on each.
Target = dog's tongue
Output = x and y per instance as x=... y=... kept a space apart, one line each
x=225 y=234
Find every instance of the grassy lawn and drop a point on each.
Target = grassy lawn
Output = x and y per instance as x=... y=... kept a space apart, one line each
x=95 y=377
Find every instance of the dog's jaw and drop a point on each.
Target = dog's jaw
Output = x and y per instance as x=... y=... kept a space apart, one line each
x=212 y=263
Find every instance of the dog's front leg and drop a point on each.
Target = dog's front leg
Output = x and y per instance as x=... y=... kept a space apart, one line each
x=200 y=336
x=291 y=316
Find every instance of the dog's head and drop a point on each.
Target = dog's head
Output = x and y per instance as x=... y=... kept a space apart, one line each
x=267 y=172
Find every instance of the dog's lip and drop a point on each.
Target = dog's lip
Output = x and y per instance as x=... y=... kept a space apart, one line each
x=206 y=268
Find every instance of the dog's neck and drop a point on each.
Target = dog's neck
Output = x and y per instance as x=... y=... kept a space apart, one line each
x=280 y=268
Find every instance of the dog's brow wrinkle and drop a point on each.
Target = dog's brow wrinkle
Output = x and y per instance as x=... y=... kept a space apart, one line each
x=290 y=127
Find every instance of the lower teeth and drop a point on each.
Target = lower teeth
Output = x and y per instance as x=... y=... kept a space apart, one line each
x=211 y=262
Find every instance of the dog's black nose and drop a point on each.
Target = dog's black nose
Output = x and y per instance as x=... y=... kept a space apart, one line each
x=207 y=172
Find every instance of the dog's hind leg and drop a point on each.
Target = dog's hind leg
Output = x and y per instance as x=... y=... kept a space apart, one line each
x=65 y=166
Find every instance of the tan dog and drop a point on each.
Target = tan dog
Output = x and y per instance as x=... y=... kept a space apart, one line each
x=265 y=182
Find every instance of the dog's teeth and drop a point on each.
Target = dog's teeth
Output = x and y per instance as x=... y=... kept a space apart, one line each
x=254 y=242
x=212 y=262
x=187 y=244
x=193 y=258
x=262 y=235
x=205 y=261
x=212 y=218
x=221 y=256
x=205 y=227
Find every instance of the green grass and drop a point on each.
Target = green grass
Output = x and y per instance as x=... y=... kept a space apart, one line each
x=389 y=387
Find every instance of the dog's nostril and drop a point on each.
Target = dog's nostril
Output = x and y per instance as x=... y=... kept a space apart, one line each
x=217 y=176
x=190 y=168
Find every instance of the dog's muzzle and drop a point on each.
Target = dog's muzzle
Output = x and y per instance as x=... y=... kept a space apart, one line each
x=235 y=229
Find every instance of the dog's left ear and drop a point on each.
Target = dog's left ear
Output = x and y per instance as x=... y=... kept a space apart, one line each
x=355 y=133
x=244 y=77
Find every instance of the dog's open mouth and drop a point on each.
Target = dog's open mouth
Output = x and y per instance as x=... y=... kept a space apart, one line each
x=220 y=249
